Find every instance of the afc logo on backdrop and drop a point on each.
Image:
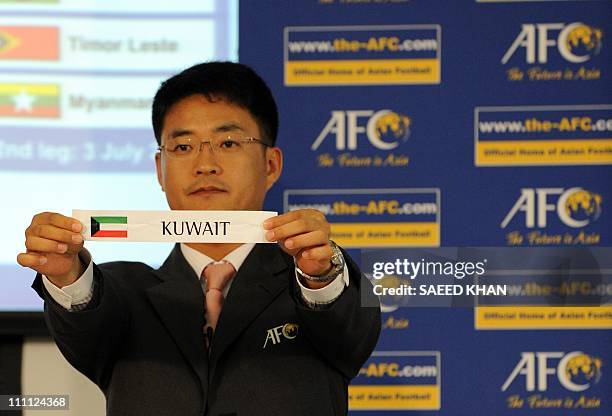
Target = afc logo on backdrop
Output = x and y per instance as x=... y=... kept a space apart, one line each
x=575 y=42
x=383 y=129
x=575 y=371
x=575 y=207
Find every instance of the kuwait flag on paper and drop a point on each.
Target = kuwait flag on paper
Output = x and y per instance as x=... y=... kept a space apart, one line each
x=109 y=227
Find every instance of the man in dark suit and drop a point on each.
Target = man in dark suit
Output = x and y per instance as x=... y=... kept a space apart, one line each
x=218 y=329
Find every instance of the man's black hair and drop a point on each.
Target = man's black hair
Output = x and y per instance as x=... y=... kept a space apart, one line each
x=236 y=83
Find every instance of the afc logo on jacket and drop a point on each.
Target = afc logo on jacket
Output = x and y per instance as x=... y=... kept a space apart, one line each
x=279 y=333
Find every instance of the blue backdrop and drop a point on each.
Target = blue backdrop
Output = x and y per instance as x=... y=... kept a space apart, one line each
x=463 y=123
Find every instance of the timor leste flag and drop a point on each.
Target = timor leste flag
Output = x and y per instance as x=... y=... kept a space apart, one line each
x=31 y=43
x=109 y=227
x=29 y=100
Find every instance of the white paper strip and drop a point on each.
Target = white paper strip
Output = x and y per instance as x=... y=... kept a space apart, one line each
x=174 y=226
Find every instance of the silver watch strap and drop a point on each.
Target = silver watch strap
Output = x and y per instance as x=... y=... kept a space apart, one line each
x=335 y=271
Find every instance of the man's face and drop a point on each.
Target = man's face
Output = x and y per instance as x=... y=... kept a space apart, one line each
x=212 y=181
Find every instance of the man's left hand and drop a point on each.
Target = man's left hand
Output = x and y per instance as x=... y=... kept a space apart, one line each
x=304 y=234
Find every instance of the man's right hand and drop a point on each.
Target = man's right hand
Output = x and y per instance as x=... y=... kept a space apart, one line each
x=53 y=242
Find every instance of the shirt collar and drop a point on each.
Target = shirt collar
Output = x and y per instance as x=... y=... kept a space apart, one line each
x=198 y=261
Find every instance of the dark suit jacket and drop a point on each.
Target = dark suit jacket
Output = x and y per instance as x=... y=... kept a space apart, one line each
x=141 y=341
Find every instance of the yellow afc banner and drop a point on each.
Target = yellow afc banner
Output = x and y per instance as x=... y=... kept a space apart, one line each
x=394 y=397
x=386 y=234
x=543 y=317
x=362 y=72
x=543 y=152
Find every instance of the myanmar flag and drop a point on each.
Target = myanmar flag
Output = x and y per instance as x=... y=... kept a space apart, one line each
x=109 y=227
x=30 y=100
x=32 y=43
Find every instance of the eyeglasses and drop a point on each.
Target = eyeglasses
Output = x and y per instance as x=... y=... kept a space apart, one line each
x=187 y=148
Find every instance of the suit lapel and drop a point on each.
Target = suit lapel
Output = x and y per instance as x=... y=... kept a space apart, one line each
x=179 y=302
x=256 y=284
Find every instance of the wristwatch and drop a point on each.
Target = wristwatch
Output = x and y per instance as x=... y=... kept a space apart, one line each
x=337 y=262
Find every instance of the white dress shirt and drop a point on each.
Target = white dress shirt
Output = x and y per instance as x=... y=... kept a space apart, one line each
x=78 y=294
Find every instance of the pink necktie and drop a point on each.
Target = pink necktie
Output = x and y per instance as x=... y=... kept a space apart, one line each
x=217 y=276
